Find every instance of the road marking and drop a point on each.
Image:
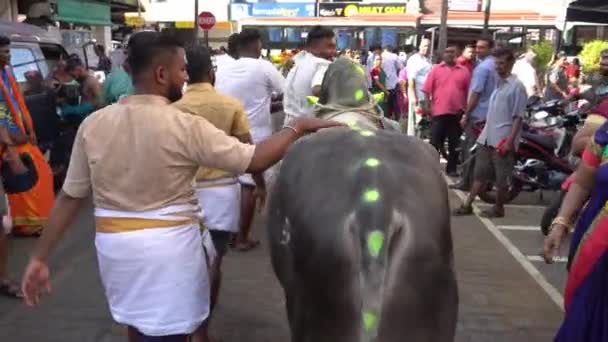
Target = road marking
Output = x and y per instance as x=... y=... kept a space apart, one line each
x=538 y=258
x=553 y=293
x=521 y=228
x=514 y=206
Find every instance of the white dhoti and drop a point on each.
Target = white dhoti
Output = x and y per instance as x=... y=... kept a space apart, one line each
x=155 y=279
x=221 y=203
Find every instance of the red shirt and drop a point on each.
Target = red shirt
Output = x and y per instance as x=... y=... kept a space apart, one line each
x=448 y=88
x=467 y=63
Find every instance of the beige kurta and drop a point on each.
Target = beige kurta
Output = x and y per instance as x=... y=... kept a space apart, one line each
x=139 y=157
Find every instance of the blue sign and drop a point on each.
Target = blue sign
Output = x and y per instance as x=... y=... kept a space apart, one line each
x=283 y=10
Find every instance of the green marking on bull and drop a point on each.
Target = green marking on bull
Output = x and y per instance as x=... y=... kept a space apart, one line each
x=312 y=100
x=371 y=195
x=375 y=241
x=360 y=69
x=370 y=320
x=359 y=94
x=372 y=162
x=367 y=133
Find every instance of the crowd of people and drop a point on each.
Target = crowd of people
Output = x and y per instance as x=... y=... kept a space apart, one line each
x=207 y=117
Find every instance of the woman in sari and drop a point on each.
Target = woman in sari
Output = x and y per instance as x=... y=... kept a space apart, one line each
x=29 y=210
x=586 y=294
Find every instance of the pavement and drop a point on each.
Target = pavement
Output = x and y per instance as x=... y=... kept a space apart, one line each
x=500 y=298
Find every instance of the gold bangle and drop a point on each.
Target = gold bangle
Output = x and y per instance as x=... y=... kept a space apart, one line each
x=562 y=221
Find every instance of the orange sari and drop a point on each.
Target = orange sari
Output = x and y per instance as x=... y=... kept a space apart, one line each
x=29 y=210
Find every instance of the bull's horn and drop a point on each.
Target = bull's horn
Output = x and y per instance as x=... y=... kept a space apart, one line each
x=312 y=100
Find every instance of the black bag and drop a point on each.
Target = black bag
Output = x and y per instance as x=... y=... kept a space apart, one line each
x=16 y=183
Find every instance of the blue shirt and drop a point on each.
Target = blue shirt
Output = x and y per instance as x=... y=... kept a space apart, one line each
x=483 y=82
x=6 y=118
x=507 y=103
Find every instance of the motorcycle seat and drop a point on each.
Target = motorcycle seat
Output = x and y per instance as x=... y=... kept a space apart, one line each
x=543 y=140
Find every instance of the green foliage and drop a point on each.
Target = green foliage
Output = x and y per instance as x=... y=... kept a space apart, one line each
x=590 y=55
x=544 y=53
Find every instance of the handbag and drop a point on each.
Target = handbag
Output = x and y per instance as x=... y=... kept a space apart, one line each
x=14 y=183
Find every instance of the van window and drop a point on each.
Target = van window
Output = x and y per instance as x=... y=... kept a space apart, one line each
x=23 y=60
x=53 y=53
x=27 y=70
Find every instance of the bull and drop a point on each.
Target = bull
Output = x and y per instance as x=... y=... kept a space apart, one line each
x=359 y=230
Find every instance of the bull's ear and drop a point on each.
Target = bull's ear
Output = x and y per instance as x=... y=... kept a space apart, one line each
x=379 y=97
x=312 y=100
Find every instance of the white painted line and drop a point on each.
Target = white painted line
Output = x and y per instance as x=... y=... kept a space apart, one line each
x=553 y=293
x=521 y=228
x=514 y=206
x=538 y=258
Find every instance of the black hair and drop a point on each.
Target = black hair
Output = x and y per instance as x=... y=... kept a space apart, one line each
x=505 y=52
x=142 y=57
x=248 y=36
x=199 y=63
x=317 y=33
x=141 y=38
x=4 y=41
x=488 y=40
x=73 y=62
x=375 y=47
x=233 y=45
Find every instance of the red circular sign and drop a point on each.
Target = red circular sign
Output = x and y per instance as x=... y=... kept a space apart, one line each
x=206 y=20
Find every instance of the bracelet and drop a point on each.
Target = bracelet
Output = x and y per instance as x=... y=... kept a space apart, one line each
x=562 y=221
x=292 y=128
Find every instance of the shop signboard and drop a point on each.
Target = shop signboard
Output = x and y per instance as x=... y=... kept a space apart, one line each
x=283 y=9
x=464 y=5
x=348 y=9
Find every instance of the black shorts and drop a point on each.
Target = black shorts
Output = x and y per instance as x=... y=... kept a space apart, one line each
x=173 y=338
x=221 y=240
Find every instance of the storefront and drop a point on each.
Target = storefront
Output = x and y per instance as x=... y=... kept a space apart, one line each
x=357 y=25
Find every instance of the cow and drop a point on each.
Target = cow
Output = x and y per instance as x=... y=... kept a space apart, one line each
x=360 y=239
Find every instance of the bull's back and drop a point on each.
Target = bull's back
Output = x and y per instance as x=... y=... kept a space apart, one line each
x=359 y=229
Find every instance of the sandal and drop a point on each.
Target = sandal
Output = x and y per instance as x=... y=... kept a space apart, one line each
x=463 y=211
x=10 y=289
x=491 y=213
x=247 y=246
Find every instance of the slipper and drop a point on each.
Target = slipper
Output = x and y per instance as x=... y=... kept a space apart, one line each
x=463 y=211
x=247 y=246
x=491 y=213
x=10 y=289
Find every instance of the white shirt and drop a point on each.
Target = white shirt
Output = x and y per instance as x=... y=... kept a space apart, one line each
x=418 y=68
x=526 y=74
x=307 y=73
x=252 y=81
x=391 y=66
x=222 y=60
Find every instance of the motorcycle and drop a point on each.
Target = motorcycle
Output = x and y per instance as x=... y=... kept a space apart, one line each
x=542 y=161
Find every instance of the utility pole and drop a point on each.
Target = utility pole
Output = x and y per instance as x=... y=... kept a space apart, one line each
x=195 y=29
x=486 y=18
x=443 y=28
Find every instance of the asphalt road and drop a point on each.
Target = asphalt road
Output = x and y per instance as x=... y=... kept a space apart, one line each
x=499 y=299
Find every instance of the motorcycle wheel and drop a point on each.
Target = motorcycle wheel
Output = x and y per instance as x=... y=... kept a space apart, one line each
x=550 y=213
x=490 y=195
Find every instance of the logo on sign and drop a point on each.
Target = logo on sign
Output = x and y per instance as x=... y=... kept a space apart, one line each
x=349 y=10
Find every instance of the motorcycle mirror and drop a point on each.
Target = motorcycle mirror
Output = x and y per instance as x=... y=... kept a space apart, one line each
x=540 y=115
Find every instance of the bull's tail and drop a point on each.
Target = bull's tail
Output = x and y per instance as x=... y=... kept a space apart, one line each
x=374 y=263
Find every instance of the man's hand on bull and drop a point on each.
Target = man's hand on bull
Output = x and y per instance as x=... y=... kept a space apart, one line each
x=271 y=150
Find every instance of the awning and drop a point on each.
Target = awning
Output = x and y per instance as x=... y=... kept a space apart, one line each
x=590 y=11
x=497 y=18
x=87 y=12
x=126 y=6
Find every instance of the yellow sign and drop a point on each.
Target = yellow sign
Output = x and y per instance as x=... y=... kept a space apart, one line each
x=184 y=24
x=135 y=21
